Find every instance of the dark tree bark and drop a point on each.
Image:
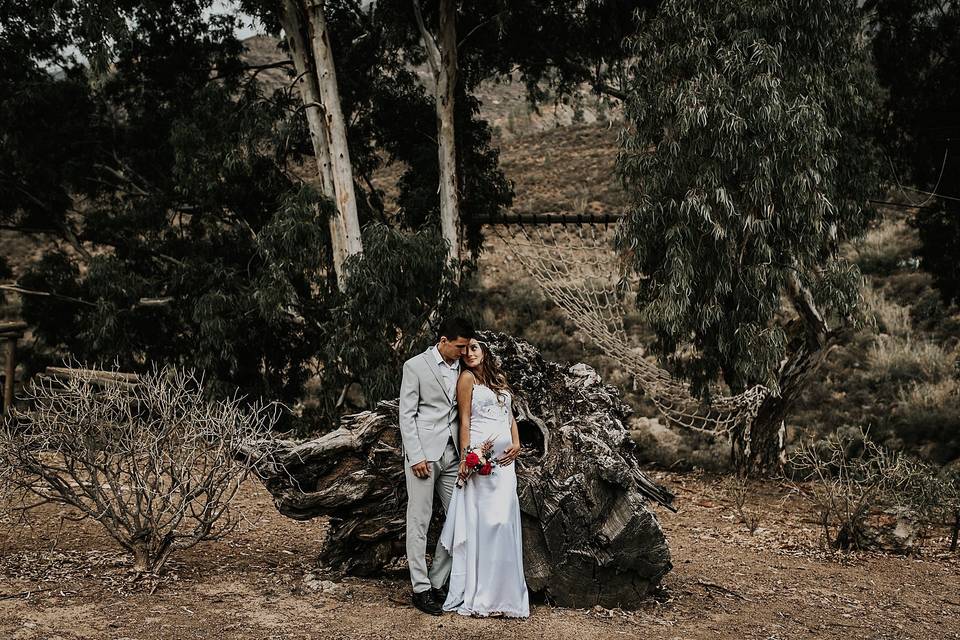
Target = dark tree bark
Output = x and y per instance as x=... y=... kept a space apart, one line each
x=589 y=534
x=758 y=448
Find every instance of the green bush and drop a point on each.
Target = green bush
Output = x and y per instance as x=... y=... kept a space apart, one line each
x=393 y=291
x=187 y=236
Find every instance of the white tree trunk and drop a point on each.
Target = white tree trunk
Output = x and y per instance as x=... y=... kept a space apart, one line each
x=446 y=85
x=335 y=131
x=342 y=241
x=443 y=64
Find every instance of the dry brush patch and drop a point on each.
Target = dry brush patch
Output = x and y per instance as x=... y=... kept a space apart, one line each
x=854 y=484
x=149 y=458
x=727 y=584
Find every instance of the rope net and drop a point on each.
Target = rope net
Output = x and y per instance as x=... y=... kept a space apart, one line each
x=578 y=268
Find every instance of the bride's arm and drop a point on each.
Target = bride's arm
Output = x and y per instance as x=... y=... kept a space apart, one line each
x=464 y=401
x=510 y=453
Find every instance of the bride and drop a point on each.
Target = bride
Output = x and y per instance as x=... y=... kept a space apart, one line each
x=482 y=530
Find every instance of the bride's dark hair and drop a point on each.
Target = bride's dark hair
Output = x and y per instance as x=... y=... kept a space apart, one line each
x=489 y=373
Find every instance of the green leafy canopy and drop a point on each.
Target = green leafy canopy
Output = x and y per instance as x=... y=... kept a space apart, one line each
x=749 y=160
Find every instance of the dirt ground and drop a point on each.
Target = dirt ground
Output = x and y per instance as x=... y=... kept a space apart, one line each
x=777 y=583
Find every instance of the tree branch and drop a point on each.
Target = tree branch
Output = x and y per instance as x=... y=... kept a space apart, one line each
x=429 y=43
x=142 y=303
x=30 y=292
x=802 y=299
x=479 y=26
x=75 y=241
x=590 y=77
x=256 y=68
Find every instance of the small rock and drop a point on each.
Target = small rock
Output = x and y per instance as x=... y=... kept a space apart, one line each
x=895 y=531
x=327 y=587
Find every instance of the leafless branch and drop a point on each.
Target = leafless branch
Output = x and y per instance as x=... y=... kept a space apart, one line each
x=148 y=457
x=30 y=292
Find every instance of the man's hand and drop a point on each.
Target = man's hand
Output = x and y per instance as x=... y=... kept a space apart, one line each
x=421 y=469
x=509 y=454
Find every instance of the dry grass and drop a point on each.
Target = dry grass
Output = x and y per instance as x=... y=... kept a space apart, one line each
x=929 y=412
x=885 y=247
x=504 y=105
x=886 y=315
x=931 y=395
x=907 y=359
x=564 y=170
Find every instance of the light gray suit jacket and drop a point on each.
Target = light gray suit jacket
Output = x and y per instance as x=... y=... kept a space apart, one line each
x=428 y=415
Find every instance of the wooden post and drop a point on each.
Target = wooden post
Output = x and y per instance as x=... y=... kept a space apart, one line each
x=10 y=332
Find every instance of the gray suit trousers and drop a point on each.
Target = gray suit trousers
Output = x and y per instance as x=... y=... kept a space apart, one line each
x=420 y=491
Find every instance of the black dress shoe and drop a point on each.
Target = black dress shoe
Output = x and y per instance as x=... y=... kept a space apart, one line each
x=440 y=595
x=425 y=602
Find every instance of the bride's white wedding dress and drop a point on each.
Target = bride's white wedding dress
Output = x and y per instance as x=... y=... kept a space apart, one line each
x=482 y=530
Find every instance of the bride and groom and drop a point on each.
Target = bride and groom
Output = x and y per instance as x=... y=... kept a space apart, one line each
x=454 y=398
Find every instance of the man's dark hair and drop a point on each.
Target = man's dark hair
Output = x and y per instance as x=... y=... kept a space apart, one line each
x=453 y=328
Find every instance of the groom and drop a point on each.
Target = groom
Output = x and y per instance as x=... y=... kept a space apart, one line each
x=429 y=429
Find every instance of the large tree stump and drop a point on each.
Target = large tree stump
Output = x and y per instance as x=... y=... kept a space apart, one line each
x=589 y=535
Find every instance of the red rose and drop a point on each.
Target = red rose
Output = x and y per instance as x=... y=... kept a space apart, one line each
x=472 y=459
x=486 y=469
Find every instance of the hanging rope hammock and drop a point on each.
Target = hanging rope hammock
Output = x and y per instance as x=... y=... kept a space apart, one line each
x=572 y=257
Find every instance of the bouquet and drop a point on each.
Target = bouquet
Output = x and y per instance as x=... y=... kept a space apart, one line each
x=479 y=460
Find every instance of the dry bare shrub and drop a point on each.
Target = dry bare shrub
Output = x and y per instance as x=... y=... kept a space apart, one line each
x=149 y=457
x=849 y=474
x=738 y=487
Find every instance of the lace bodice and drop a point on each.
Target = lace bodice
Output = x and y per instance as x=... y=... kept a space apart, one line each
x=491 y=416
x=488 y=405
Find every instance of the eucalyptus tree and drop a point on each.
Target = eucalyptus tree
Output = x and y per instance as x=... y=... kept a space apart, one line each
x=441 y=53
x=174 y=224
x=556 y=45
x=308 y=39
x=749 y=161
x=178 y=233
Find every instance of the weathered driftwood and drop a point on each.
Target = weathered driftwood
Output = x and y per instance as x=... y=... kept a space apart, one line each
x=589 y=534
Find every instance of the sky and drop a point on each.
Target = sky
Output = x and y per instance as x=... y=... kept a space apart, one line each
x=251 y=26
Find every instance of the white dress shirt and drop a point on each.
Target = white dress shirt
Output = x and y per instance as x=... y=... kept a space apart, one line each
x=448 y=372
